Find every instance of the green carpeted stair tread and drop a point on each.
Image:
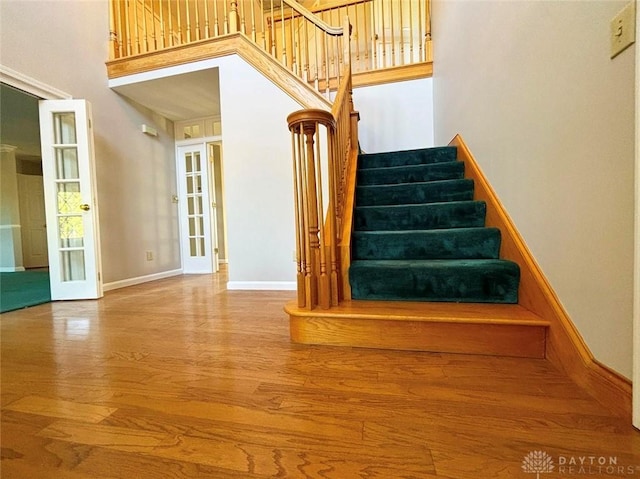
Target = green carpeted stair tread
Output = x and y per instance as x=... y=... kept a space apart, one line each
x=420 y=236
x=458 y=243
x=415 y=193
x=454 y=214
x=470 y=281
x=411 y=174
x=408 y=157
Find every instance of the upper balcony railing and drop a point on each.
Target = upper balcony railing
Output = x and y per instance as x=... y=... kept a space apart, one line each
x=386 y=34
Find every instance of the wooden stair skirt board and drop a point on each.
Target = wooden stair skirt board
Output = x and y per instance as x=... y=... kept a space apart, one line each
x=489 y=329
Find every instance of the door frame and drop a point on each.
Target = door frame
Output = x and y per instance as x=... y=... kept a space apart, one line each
x=220 y=210
x=31 y=85
x=42 y=91
x=636 y=267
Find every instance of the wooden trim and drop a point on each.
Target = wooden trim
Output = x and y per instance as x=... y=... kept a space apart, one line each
x=498 y=330
x=347 y=223
x=233 y=44
x=394 y=74
x=565 y=346
x=414 y=71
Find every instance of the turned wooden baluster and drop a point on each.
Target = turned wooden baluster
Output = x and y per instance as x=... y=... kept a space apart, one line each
x=428 y=49
x=216 y=22
x=171 y=41
x=296 y=146
x=113 y=34
x=234 y=20
x=145 y=32
x=311 y=210
x=332 y=220
x=162 y=25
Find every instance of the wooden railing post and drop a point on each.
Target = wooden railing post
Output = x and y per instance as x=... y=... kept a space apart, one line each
x=428 y=49
x=113 y=34
x=234 y=19
x=309 y=131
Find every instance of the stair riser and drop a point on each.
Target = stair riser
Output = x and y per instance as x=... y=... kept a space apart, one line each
x=477 y=243
x=409 y=157
x=468 y=214
x=477 y=283
x=415 y=193
x=464 y=338
x=412 y=174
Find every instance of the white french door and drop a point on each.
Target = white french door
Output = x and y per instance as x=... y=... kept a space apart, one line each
x=195 y=209
x=70 y=200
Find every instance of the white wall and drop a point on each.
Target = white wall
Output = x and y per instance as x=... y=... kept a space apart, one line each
x=550 y=118
x=395 y=116
x=257 y=171
x=10 y=230
x=258 y=178
x=64 y=45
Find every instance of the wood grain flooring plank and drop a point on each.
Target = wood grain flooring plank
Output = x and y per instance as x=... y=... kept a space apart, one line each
x=183 y=379
x=53 y=407
x=326 y=427
x=123 y=439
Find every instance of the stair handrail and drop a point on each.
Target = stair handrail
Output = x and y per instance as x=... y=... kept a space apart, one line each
x=324 y=145
x=313 y=18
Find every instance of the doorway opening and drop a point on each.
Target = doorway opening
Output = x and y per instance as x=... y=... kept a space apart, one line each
x=24 y=261
x=200 y=198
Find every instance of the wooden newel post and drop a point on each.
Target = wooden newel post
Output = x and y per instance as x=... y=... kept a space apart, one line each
x=313 y=237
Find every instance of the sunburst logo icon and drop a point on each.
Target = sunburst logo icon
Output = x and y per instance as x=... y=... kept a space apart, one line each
x=537 y=462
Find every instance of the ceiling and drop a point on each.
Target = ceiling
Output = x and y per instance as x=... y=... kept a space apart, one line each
x=178 y=97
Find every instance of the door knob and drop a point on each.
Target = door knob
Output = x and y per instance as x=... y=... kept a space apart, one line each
x=85 y=207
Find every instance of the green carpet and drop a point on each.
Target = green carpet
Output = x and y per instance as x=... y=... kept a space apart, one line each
x=420 y=236
x=22 y=289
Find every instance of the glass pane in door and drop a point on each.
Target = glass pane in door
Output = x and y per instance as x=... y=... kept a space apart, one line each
x=72 y=265
x=64 y=125
x=195 y=204
x=69 y=211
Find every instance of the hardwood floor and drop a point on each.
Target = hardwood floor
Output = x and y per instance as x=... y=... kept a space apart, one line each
x=181 y=379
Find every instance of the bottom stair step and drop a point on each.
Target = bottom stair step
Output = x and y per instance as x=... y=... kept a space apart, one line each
x=489 y=329
x=471 y=281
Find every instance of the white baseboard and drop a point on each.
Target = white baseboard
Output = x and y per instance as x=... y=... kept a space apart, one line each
x=262 y=285
x=11 y=269
x=140 y=279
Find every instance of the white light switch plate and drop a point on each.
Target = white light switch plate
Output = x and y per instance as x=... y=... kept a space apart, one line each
x=623 y=29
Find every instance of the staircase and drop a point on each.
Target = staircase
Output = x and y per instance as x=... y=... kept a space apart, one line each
x=425 y=272
x=420 y=236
